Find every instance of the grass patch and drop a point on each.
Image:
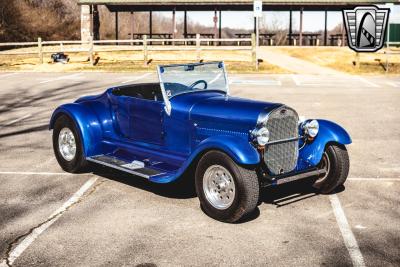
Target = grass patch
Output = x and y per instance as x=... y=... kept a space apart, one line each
x=129 y=61
x=344 y=59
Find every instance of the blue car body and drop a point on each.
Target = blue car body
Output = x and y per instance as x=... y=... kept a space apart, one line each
x=129 y=129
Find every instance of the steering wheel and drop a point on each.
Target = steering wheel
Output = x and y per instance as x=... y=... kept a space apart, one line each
x=198 y=82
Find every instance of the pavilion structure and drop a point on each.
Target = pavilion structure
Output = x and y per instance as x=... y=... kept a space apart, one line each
x=90 y=19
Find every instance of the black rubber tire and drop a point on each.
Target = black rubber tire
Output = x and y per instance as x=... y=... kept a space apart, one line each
x=338 y=171
x=78 y=163
x=246 y=184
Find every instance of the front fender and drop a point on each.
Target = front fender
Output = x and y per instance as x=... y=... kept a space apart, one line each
x=329 y=132
x=239 y=149
x=86 y=123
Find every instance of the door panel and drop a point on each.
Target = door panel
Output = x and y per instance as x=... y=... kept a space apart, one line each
x=120 y=106
x=146 y=120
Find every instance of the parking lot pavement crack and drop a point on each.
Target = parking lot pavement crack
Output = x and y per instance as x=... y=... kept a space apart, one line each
x=17 y=246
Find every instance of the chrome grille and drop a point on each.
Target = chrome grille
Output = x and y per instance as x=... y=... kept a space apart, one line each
x=281 y=157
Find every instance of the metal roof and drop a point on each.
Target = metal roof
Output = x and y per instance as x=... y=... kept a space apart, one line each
x=208 y=2
x=226 y=5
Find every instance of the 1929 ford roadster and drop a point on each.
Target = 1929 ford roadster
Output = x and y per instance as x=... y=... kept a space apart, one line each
x=236 y=146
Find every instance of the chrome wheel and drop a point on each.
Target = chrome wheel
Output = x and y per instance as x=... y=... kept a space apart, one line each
x=325 y=165
x=219 y=187
x=67 y=144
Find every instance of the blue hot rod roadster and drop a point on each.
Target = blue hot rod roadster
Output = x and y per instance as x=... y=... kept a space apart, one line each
x=236 y=146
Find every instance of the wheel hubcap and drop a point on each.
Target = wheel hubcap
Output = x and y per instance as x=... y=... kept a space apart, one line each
x=67 y=144
x=219 y=187
x=325 y=165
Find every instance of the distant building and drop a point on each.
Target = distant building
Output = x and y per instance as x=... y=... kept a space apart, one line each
x=90 y=21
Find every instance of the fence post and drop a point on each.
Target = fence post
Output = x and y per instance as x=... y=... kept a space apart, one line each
x=91 y=50
x=357 y=60
x=387 y=61
x=253 y=51
x=61 y=47
x=145 y=52
x=198 y=46
x=40 y=50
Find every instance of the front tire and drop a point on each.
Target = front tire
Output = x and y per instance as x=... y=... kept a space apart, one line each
x=227 y=191
x=67 y=146
x=335 y=161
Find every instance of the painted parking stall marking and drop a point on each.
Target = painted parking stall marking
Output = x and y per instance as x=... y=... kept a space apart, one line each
x=367 y=82
x=35 y=173
x=332 y=81
x=348 y=236
x=64 y=77
x=8 y=75
x=36 y=232
x=137 y=78
x=264 y=82
x=394 y=84
x=16 y=120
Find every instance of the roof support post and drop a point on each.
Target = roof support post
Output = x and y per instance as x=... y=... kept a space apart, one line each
x=215 y=19
x=85 y=22
x=301 y=27
x=151 y=25
x=290 y=27
x=343 y=34
x=220 y=26
x=116 y=26
x=255 y=25
x=96 y=23
x=185 y=24
x=326 y=28
x=132 y=25
x=173 y=23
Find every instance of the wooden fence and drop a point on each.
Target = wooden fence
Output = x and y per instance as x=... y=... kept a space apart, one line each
x=145 y=45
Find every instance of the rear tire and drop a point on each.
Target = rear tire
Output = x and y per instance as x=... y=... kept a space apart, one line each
x=65 y=139
x=335 y=161
x=227 y=191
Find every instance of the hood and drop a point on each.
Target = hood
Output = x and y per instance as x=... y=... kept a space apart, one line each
x=229 y=113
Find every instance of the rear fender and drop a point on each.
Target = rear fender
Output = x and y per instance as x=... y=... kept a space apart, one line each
x=329 y=132
x=86 y=122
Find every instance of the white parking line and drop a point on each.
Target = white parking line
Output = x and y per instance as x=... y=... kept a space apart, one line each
x=137 y=78
x=62 y=77
x=295 y=80
x=37 y=173
x=371 y=84
x=16 y=120
x=29 y=239
x=394 y=84
x=348 y=236
x=256 y=82
x=8 y=74
x=374 y=179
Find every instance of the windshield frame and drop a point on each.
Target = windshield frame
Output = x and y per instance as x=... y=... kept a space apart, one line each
x=167 y=101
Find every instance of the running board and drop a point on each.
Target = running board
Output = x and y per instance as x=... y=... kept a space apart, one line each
x=135 y=167
x=287 y=179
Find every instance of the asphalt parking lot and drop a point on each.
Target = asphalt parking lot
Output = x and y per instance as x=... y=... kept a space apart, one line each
x=51 y=218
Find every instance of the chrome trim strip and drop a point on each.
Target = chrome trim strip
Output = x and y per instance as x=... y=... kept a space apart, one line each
x=284 y=140
x=120 y=168
x=264 y=115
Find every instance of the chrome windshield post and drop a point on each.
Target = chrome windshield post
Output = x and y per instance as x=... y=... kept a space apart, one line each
x=167 y=103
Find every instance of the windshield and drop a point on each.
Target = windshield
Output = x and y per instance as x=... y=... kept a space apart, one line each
x=185 y=78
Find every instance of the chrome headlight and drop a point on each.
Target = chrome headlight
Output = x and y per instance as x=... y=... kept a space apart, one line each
x=261 y=135
x=311 y=128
